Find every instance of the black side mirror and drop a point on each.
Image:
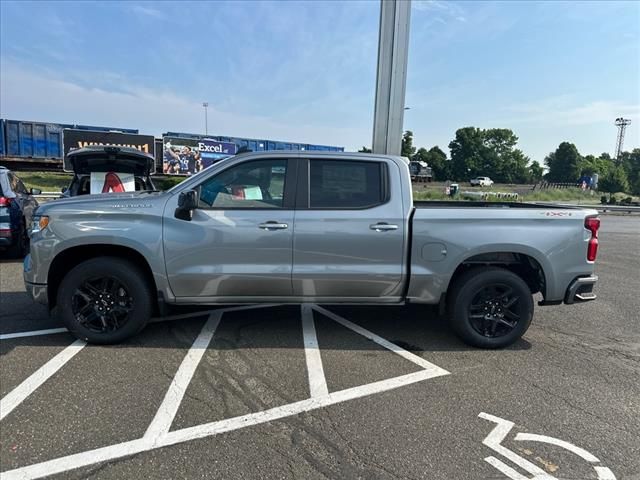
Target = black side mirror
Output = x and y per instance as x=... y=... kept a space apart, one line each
x=187 y=203
x=35 y=191
x=63 y=189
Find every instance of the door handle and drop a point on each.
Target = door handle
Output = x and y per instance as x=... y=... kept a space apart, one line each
x=383 y=227
x=271 y=225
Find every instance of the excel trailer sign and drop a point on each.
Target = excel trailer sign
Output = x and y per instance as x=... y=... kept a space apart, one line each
x=74 y=139
x=187 y=156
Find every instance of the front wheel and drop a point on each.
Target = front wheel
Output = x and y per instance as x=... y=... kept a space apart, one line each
x=490 y=307
x=105 y=300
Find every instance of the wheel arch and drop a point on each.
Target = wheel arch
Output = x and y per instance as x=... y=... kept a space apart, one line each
x=69 y=258
x=525 y=265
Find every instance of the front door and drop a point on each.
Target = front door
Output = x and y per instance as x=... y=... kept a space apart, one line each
x=349 y=236
x=238 y=244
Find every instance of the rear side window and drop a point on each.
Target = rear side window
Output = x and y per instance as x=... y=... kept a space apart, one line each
x=346 y=184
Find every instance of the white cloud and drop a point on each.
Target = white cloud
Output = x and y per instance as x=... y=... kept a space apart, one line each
x=147 y=11
x=32 y=95
x=562 y=110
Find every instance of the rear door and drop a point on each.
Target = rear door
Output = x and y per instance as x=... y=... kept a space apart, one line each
x=349 y=236
x=238 y=244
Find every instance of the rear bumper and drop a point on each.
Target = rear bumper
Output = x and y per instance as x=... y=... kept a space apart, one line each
x=581 y=290
x=5 y=242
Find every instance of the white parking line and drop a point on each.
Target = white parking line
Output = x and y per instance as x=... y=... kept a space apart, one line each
x=71 y=462
x=33 y=333
x=166 y=413
x=412 y=357
x=158 y=434
x=317 y=380
x=16 y=396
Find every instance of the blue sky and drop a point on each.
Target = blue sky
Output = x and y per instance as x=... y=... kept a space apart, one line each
x=305 y=71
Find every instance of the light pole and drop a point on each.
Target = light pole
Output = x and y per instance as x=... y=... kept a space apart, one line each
x=206 y=118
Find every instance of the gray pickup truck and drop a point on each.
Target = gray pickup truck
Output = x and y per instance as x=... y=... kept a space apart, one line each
x=292 y=227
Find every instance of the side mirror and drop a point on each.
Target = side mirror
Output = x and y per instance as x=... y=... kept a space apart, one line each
x=63 y=190
x=35 y=191
x=187 y=203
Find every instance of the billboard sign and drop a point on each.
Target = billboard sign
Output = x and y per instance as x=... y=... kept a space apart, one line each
x=74 y=139
x=187 y=156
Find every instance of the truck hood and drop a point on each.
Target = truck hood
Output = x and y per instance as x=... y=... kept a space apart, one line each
x=104 y=201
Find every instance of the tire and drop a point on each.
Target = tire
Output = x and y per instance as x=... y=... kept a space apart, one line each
x=490 y=307
x=105 y=300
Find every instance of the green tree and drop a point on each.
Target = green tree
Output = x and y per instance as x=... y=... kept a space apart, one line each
x=407 y=150
x=365 y=150
x=535 y=172
x=614 y=181
x=631 y=165
x=490 y=153
x=437 y=160
x=565 y=164
x=467 y=153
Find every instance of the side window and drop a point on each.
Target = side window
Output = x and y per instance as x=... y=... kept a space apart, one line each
x=258 y=184
x=346 y=184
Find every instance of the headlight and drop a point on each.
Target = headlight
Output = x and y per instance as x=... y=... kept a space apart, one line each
x=39 y=223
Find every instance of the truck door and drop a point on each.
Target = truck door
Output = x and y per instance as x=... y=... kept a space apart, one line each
x=238 y=244
x=349 y=237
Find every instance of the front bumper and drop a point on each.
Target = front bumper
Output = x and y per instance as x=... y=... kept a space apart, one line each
x=38 y=292
x=581 y=290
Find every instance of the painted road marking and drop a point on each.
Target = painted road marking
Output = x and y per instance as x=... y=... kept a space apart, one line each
x=158 y=434
x=412 y=357
x=33 y=333
x=500 y=432
x=506 y=469
x=166 y=413
x=19 y=394
x=317 y=380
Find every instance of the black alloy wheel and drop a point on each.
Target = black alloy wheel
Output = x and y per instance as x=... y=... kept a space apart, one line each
x=495 y=310
x=102 y=304
x=105 y=300
x=490 y=307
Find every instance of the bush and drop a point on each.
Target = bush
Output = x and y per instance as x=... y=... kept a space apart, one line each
x=604 y=200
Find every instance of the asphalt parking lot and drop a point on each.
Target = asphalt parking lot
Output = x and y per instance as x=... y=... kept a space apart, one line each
x=330 y=392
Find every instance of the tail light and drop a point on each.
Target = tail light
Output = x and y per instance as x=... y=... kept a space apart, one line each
x=5 y=202
x=592 y=224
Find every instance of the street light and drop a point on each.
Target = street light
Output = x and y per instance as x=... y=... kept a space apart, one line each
x=206 y=119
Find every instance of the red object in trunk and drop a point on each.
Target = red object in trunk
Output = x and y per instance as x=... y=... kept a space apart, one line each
x=112 y=183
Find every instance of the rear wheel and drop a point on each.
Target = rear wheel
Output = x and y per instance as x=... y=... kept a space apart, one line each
x=490 y=307
x=105 y=300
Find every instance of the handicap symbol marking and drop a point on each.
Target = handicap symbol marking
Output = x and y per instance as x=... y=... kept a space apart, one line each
x=159 y=433
x=500 y=432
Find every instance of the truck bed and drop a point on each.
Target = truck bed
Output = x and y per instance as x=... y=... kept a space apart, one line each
x=473 y=204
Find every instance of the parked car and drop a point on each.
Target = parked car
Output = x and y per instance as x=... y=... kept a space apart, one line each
x=481 y=182
x=292 y=227
x=17 y=205
x=111 y=163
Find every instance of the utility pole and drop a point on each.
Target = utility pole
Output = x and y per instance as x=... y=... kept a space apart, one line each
x=621 y=123
x=391 y=80
x=206 y=119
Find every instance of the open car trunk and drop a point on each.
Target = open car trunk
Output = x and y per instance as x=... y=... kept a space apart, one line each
x=104 y=169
